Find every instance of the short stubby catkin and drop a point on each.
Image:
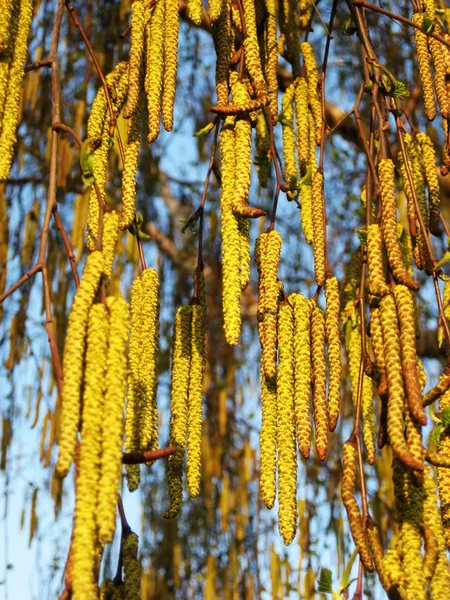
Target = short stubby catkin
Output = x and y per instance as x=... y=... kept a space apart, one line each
x=319 y=381
x=269 y=276
x=113 y=416
x=73 y=360
x=334 y=350
x=319 y=228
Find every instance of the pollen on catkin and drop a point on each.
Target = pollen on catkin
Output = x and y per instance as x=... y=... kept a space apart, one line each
x=376 y=337
x=130 y=165
x=73 y=360
x=172 y=20
x=87 y=486
x=272 y=55
x=131 y=567
x=109 y=240
x=428 y=161
x=389 y=224
x=319 y=381
x=268 y=439
x=223 y=37
x=181 y=362
x=136 y=62
x=113 y=416
x=440 y=84
x=376 y=549
x=423 y=59
x=251 y=48
x=334 y=350
x=301 y=119
x=377 y=276
x=313 y=95
x=269 y=280
x=290 y=162
x=154 y=68
x=287 y=452
x=319 y=228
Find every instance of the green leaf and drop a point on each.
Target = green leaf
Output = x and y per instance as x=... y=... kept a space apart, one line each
x=205 y=130
x=345 y=581
x=445 y=415
x=362 y=235
x=282 y=118
x=325 y=581
x=436 y=434
x=444 y=259
x=428 y=24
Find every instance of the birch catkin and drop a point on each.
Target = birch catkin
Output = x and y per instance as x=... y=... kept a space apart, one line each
x=172 y=20
x=135 y=65
x=319 y=228
x=319 y=381
x=269 y=277
x=334 y=351
x=423 y=59
x=155 y=68
x=268 y=439
x=130 y=168
x=377 y=276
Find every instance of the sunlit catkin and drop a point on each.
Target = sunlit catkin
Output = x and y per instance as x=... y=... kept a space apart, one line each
x=405 y=310
x=87 y=490
x=268 y=440
x=155 y=68
x=272 y=55
x=131 y=568
x=350 y=504
x=389 y=224
x=428 y=159
x=138 y=21
x=195 y=393
x=262 y=158
x=376 y=549
x=113 y=416
x=302 y=371
x=319 y=228
x=290 y=163
x=109 y=240
x=334 y=351
x=269 y=276
x=319 y=381
x=313 y=95
x=223 y=41
x=439 y=76
x=423 y=59
x=377 y=276
x=301 y=118
x=171 y=62
x=12 y=97
x=376 y=336
x=251 y=48
x=396 y=398
x=181 y=361
x=73 y=360
x=130 y=166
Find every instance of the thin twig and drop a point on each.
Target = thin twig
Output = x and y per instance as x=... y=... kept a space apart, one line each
x=139 y=457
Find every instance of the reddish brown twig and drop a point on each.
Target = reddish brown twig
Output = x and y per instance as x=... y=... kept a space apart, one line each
x=139 y=457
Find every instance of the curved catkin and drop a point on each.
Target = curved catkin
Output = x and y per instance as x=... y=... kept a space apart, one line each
x=131 y=567
x=350 y=504
x=113 y=416
x=135 y=65
x=396 y=398
x=73 y=360
x=376 y=336
x=195 y=393
x=269 y=276
x=376 y=549
x=130 y=165
x=181 y=361
x=406 y=317
x=290 y=162
x=301 y=119
x=231 y=284
x=268 y=440
x=154 y=68
x=109 y=240
x=302 y=371
x=171 y=62
x=10 y=116
x=334 y=350
x=287 y=452
x=243 y=152
x=428 y=160
x=389 y=224
x=423 y=59
x=377 y=276
x=319 y=381
x=251 y=48
x=87 y=485
x=319 y=228
x=313 y=81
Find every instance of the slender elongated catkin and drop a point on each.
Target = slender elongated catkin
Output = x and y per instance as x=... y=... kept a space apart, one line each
x=223 y=37
x=439 y=76
x=136 y=63
x=171 y=62
x=269 y=276
x=313 y=94
x=423 y=59
x=290 y=162
x=287 y=453
x=376 y=549
x=377 y=276
x=251 y=48
x=319 y=228
x=113 y=416
x=272 y=55
x=73 y=360
x=155 y=68
x=268 y=439
x=87 y=485
x=301 y=119
x=334 y=351
x=131 y=567
x=109 y=240
x=428 y=160
x=130 y=168
x=376 y=336
x=319 y=381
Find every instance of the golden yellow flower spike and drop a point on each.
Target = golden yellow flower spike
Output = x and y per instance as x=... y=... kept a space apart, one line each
x=301 y=118
x=244 y=260
x=215 y=10
x=262 y=158
x=392 y=566
x=334 y=351
x=251 y=48
x=376 y=549
x=112 y=418
x=313 y=94
x=195 y=11
x=155 y=68
x=87 y=486
x=195 y=394
x=231 y=285
x=423 y=59
x=443 y=475
x=319 y=381
x=269 y=276
x=303 y=371
x=350 y=504
x=406 y=316
x=171 y=62
x=223 y=37
x=377 y=275
x=7 y=24
x=268 y=440
x=130 y=168
x=389 y=224
x=439 y=75
x=12 y=97
x=8 y=35
x=181 y=361
x=428 y=160
x=272 y=55
x=109 y=240
x=290 y=163
x=376 y=336
x=139 y=16
x=131 y=568
x=319 y=228
x=396 y=398
x=287 y=452
x=73 y=360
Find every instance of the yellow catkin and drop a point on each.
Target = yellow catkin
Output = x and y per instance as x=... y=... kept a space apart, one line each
x=302 y=371
x=443 y=474
x=251 y=48
x=130 y=168
x=272 y=55
x=231 y=285
x=73 y=360
x=440 y=84
x=12 y=97
x=223 y=42
x=392 y=566
x=423 y=59
x=195 y=393
x=268 y=440
x=155 y=68
x=195 y=11
x=137 y=44
x=290 y=163
x=181 y=361
x=301 y=118
x=396 y=399
x=334 y=351
x=109 y=240
x=131 y=568
x=319 y=381
x=215 y=10
x=171 y=62
x=87 y=488
x=377 y=276
x=7 y=24
x=406 y=318
x=350 y=504
x=113 y=416
x=262 y=158
x=428 y=160
x=376 y=549
x=376 y=336
x=269 y=277
x=389 y=224
x=244 y=251
x=319 y=228
x=313 y=94
x=287 y=452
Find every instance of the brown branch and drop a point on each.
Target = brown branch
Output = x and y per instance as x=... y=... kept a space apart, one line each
x=38 y=65
x=139 y=457
x=69 y=131
x=70 y=255
x=31 y=273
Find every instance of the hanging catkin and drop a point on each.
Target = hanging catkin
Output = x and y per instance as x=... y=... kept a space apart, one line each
x=251 y=48
x=423 y=59
x=428 y=160
x=376 y=549
x=87 y=485
x=262 y=158
x=376 y=336
x=319 y=381
x=287 y=452
x=377 y=276
x=439 y=75
x=139 y=16
x=319 y=228
x=334 y=351
x=301 y=119
x=313 y=94
x=269 y=280
x=171 y=62
x=73 y=360
x=272 y=55
x=130 y=165
x=181 y=361
x=290 y=162
x=113 y=416
x=131 y=568
x=109 y=240
x=155 y=68
x=268 y=439
x=223 y=41
x=195 y=393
